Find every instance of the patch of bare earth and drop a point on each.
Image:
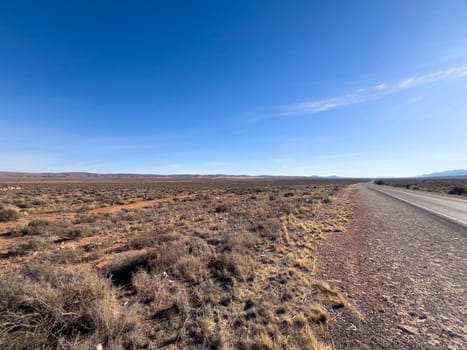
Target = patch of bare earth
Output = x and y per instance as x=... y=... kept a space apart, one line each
x=6 y=240
x=404 y=273
x=102 y=210
x=135 y=205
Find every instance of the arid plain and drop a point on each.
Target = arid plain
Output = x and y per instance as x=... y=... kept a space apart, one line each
x=168 y=264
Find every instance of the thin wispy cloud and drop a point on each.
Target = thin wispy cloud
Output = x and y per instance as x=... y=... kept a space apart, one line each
x=452 y=73
x=317 y=106
x=372 y=93
x=406 y=83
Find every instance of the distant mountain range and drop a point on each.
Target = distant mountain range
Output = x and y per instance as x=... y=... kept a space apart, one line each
x=448 y=173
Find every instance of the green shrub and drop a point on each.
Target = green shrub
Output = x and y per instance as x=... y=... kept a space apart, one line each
x=459 y=190
x=379 y=182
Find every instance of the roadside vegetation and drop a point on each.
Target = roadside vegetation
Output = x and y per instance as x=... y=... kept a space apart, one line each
x=446 y=186
x=230 y=265
x=460 y=190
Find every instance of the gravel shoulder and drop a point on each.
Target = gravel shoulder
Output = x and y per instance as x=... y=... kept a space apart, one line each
x=404 y=272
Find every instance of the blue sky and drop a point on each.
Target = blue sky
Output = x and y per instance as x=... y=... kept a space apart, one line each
x=350 y=88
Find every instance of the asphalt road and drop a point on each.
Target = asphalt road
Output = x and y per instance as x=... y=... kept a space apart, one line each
x=450 y=208
x=404 y=272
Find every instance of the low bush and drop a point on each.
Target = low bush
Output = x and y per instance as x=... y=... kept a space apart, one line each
x=459 y=190
x=60 y=231
x=47 y=307
x=28 y=246
x=142 y=240
x=38 y=228
x=7 y=214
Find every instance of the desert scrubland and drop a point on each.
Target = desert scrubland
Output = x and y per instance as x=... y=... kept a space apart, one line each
x=183 y=264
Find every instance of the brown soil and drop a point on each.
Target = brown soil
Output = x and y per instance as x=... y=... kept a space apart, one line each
x=26 y=220
x=6 y=240
x=135 y=205
x=404 y=274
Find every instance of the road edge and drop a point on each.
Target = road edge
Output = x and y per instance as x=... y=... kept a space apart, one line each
x=434 y=212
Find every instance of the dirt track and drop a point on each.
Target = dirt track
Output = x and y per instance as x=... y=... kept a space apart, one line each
x=404 y=272
x=103 y=210
x=6 y=240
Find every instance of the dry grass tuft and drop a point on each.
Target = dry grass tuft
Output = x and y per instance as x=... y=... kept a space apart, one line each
x=45 y=306
x=8 y=214
x=323 y=292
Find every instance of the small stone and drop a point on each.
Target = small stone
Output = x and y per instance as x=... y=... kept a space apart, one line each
x=408 y=329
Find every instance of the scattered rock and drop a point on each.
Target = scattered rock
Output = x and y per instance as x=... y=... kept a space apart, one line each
x=408 y=329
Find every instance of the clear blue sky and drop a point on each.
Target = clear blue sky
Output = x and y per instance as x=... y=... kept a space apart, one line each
x=352 y=88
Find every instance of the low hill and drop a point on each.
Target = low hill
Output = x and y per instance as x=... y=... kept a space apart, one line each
x=7 y=176
x=448 y=173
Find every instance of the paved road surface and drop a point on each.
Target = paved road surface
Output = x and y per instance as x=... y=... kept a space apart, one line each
x=451 y=208
x=404 y=272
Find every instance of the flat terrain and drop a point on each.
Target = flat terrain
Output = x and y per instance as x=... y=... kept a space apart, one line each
x=229 y=264
x=170 y=265
x=404 y=272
